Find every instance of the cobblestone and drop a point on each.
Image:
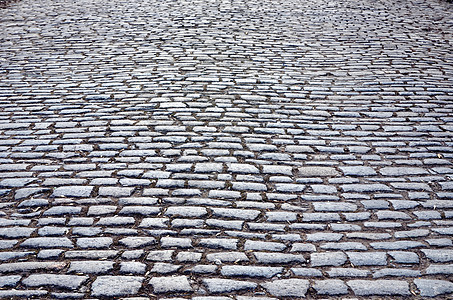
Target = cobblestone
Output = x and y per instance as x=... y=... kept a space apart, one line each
x=330 y=287
x=379 y=287
x=214 y=149
x=432 y=287
x=63 y=281
x=287 y=287
x=217 y=285
x=111 y=286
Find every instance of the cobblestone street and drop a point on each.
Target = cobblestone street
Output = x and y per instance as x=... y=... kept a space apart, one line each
x=226 y=149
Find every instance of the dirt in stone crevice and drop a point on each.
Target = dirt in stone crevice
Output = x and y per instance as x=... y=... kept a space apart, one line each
x=6 y=3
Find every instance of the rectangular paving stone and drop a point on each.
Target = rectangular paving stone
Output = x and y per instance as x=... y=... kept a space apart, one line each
x=287 y=287
x=250 y=271
x=116 y=191
x=113 y=286
x=318 y=171
x=73 y=191
x=379 y=287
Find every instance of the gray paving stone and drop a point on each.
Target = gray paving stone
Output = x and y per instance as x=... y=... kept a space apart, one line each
x=330 y=287
x=32 y=266
x=189 y=257
x=217 y=285
x=250 y=271
x=49 y=254
x=249 y=186
x=73 y=191
x=47 y=242
x=344 y=246
x=321 y=236
x=97 y=242
x=165 y=268
x=440 y=242
x=115 y=191
x=14 y=254
x=243 y=169
x=173 y=284
x=115 y=221
x=91 y=267
x=289 y=187
x=358 y=171
x=22 y=293
x=327 y=259
x=435 y=255
x=54 y=280
x=402 y=171
x=16 y=232
x=317 y=171
x=399 y=245
x=275 y=169
x=113 y=286
x=154 y=222
x=9 y=281
x=334 y=207
x=348 y=272
x=204 y=269
x=404 y=257
x=302 y=247
x=368 y=258
x=446 y=269
x=62 y=210
x=365 y=188
x=287 y=287
x=16 y=182
x=91 y=254
x=167 y=242
x=186 y=211
x=379 y=287
x=222 y=257
x=433 y=287
x=160 y=255
x=396 y=273
x=137 y=242
x=278 y=258
x=264 y=246
x=307 y=272
x=243 y=214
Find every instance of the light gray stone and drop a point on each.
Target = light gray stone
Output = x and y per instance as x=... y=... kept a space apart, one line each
x=113 y=286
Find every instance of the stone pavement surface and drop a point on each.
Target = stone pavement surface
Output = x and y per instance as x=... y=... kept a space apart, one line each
x=218 y=149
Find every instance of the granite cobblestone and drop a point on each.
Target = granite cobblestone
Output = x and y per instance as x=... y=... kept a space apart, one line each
x=226 y=149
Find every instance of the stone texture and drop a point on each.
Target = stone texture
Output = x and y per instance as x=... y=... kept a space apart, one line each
x=217 y=285
x=178 y=149
x=287 y=287
x=54 y=280
x=173 y=284
x=433 y=288
x=113 y=286
x=379 y=287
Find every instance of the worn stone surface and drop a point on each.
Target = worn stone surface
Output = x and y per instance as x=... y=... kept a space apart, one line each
x=215 y=285
x=172 y=284
x=287 y=287
x=379 y=287
x=111 y=286
x=209 y=149
x=63 y=281
x=433 y=288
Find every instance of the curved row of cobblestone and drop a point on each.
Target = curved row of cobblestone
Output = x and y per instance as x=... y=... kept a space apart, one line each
x=222 y=149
